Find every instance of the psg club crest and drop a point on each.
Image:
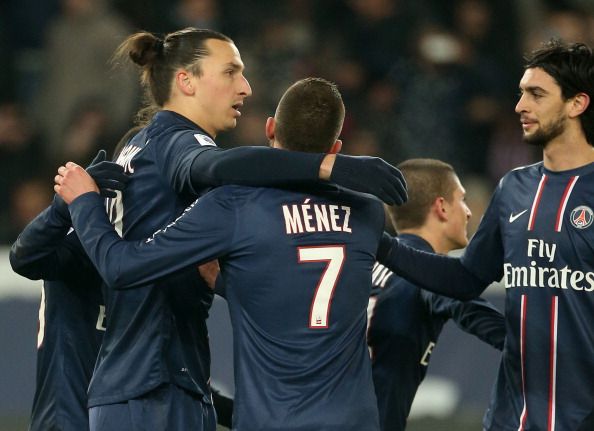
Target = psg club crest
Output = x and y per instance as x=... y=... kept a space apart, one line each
x=581 y=217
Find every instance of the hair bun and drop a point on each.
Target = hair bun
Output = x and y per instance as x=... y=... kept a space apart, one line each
x=159 y=46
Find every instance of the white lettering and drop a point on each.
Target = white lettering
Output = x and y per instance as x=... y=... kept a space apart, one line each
x=322 y=218
x=292 y=221
x=334 y=218
x=575 y=278
x=311 y=217
x=101 y=319
x=428 y=351
x=347 y=215
x=307 y=217
x=126 y=156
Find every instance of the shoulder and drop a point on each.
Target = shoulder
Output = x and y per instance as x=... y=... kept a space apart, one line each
x=521 y=173
x=361 y=200
x=232 y=195
x=172 y=127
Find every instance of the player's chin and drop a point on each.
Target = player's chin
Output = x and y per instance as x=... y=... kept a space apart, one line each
x=229 y=124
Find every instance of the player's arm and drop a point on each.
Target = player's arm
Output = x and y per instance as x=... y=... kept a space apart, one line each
x=477 y=317
x=440 y=274
x=208 y=165
x=37 y=253
x=44 y=249
x=189 y=240
x=461 y=278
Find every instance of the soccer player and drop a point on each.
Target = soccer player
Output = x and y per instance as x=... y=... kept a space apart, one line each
x=297 y=271
x=153 y=365
x=537 y=236
x=71 y=313
x=404 y=320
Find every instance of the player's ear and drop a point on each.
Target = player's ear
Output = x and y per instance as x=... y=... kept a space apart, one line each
x=270 y=128
x=183 y=81
x=439 y=208
x=579 y=103
x=336 y=147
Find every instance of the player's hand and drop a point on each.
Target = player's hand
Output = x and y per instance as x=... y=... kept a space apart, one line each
x=209 y=272
x=72 y=181
x=109 y=176
x=370 y=175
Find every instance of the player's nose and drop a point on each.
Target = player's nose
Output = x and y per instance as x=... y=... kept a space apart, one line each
x=244 y=87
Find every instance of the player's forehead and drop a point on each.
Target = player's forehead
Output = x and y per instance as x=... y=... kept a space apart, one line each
x=459 y=189
x=536 y=77
x=223 y=53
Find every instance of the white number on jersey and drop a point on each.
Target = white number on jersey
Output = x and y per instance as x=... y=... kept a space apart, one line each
x=115 y=211
x=320 y=306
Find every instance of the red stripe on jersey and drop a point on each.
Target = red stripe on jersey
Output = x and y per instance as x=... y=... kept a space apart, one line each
x=563 y=202
x=553 y=363
x=536 y=201
x=523 y=359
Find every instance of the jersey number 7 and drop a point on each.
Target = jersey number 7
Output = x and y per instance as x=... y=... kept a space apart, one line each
x=322 y=300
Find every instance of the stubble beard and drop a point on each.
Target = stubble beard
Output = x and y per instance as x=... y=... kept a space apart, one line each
x=546 y=134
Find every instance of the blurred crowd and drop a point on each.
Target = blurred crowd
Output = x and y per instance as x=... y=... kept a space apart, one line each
x=420 y=78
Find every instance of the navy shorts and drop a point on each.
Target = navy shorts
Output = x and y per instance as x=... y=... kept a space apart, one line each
x=167 y=408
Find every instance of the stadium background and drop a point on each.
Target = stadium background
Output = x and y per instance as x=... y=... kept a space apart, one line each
x=420 y=78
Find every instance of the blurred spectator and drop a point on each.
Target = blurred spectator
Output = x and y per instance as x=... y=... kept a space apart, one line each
x=20 y=158
x=434 y=120
x=379 y=33
x=419 y=79
x=80 y=43
x=87 y=132
x=20 y=155
x=196 y=13
x=27 y=199
x=507 y=148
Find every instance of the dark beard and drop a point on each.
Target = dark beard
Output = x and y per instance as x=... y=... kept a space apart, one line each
x=546 y=134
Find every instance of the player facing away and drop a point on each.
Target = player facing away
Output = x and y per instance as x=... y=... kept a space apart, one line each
x=297 y=269
x=536 y=236
x=72 y=311
x=154 y=362
x=406 y=321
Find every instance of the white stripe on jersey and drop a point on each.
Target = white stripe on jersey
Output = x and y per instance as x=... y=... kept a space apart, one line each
x=553 y=359
x=536 y=201
x=380 y=275
x=523 y=306
x=565 y=198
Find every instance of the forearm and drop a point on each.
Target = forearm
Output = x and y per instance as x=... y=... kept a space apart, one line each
x=35 y=254
x=440 y=274
x=126 y=264
x=255 y=166
x=481 y=319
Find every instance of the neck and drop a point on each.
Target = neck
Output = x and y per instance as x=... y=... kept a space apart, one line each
x=568 y=151
x=436 y=240
x=191 y=115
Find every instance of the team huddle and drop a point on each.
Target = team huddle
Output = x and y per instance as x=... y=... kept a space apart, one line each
x=332 y=325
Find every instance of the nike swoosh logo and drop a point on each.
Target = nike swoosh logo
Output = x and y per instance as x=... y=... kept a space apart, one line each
x=513 y=218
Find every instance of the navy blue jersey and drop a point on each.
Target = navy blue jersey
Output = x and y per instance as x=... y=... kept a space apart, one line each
x=297 y=269
x=155 y=334
x=536 y=236
x=71 y=321
x=404 y=325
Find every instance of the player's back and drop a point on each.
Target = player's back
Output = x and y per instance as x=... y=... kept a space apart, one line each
x=298 y=282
